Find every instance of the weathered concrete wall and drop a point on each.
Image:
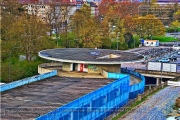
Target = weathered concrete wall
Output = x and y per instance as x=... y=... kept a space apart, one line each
x=67 y=67
x=94 y=69
x=112 y=68
x=104 y=73
x=44 y=68
x=51 y=64
x=108 y=68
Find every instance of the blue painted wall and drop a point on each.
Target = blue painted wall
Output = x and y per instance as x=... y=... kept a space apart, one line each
x=100 y=103
x=25 y=81
x=96 y=105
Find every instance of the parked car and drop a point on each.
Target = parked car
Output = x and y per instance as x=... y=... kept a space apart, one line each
x=173 y=58
x=178 y=52
x=165 y=60
x=177 y=118
x=176 y=47
x=178 y=64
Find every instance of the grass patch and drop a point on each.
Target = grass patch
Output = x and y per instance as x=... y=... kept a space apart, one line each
x=164 y=38
x=135 y=104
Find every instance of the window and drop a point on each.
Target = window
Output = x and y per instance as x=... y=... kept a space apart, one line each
x=85 y=66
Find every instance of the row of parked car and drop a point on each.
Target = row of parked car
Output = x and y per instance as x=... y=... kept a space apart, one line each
x=168 y=57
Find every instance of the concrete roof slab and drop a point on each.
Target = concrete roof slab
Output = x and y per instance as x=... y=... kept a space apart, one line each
x=90 y=56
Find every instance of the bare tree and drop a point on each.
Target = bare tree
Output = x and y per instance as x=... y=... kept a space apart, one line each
x=57 y=18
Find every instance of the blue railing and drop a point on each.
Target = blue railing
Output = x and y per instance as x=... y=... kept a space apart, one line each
x=25 y=81
x=102 y=102
x=96 y=105
x=138 y=88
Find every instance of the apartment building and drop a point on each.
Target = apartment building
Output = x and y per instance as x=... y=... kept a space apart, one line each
x=40 y=9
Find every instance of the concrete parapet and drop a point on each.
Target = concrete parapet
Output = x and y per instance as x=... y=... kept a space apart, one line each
x=160 y=73
x=48 y=67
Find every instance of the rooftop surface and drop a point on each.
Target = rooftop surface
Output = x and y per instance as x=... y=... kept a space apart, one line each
x=94 y=56
x=32 y=100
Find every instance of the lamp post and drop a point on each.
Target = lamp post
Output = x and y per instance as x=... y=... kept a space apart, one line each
x=117 y=40
x=9 y=68
x=175 y=32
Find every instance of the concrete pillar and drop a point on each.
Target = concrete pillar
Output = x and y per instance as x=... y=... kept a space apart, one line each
x=158 y=81
x=149 y=87
x=139 y=97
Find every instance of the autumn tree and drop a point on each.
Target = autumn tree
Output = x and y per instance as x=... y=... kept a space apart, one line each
x=149 y=26
x=119 y=13
x=31 y=34
x=86 y=28
x=10 y=10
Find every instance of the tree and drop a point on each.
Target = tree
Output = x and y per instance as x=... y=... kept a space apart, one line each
x=31 y=34
x=57 y=18
x=121 y=9
x=129 y=39
x=147 y=26
x=120 y=15
x=86 y=28
x=10 y=10
x=176 y=15
x=120 y=31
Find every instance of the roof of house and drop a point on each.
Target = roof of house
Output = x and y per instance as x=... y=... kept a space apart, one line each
x=151 y=40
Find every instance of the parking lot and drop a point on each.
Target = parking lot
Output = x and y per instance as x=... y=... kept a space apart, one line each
x=155 y=54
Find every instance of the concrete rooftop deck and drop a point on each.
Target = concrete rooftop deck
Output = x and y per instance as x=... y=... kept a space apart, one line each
x=35 y=99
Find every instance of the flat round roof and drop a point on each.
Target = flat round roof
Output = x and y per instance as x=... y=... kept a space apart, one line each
x=90 y=56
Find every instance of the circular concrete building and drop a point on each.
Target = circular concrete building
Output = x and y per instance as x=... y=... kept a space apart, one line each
x=90 y=60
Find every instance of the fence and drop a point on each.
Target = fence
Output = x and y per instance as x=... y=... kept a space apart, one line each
x=138 y=88
x=18 y=83
x=95 y=105
x=100 y=103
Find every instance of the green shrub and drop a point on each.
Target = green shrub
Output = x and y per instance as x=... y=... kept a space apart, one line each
x=15 y=70
x=164 y=38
